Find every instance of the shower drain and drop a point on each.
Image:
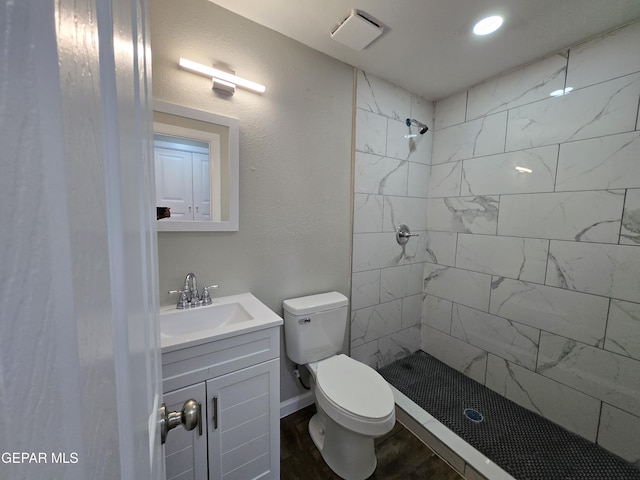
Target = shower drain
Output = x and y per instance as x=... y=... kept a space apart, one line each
x=473 y=415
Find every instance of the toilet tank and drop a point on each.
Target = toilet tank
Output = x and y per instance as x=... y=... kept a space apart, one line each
x=314 y=326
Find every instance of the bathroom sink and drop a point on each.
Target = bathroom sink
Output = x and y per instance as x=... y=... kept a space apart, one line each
x=225 y=317
x=185 y=322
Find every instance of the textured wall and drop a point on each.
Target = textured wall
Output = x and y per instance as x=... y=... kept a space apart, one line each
x=390 y=188
x=533 y=280
x=295 y=159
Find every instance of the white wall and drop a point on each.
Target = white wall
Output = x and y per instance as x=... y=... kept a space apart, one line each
x=295 y=159
x=391 y=176
x=533 y=280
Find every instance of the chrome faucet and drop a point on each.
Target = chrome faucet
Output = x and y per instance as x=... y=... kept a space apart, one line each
x=191 y=288
x=189 y=296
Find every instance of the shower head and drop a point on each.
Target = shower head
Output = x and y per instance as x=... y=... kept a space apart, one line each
x=416 y=123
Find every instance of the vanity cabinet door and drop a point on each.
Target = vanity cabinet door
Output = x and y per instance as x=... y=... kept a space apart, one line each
x=186 y=452
x=243 y=423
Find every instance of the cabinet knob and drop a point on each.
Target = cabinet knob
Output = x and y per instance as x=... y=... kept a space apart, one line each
x=188 y=417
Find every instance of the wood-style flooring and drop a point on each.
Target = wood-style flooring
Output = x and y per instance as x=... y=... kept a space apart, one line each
x=400 y=454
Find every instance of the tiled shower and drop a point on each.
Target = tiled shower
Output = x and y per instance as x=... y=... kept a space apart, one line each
x=530 y=235
x=390 y=187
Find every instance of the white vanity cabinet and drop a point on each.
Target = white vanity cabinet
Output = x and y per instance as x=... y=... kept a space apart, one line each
x=186 y=451
x=237 y=379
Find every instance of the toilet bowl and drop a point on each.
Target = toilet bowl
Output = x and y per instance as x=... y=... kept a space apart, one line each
x=354 y=403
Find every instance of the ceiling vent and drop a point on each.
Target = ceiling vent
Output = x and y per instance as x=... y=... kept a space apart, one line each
x=357 y=30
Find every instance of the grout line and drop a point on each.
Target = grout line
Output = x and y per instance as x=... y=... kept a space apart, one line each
x=599 y=421
x=555 y=178
x=606 y=326
x=466 y=106
x=566 y=70
x=624 y=203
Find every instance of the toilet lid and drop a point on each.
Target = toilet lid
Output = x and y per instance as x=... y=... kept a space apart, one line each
x=355 y=387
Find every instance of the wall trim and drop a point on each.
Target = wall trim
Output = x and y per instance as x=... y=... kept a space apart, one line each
x=296 y=403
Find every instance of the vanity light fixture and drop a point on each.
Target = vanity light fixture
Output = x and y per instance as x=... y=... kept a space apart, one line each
x=221 y=80
x=524 y=170
x=488 y=25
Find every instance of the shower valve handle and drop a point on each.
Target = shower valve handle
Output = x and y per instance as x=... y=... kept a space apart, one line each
x=403 y=233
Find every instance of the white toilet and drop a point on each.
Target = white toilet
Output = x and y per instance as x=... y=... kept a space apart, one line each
x=354 y=403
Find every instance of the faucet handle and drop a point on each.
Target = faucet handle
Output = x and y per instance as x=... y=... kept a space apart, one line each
x=184 y=300
x=206 y=298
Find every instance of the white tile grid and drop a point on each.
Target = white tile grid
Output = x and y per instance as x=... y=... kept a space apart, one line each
x=368 y=353
x=371 y=132
x=630 y=233
x=476 y=138
x=390 y=187
x=423 y=111
x=477 y=214
x=601 y=163
x=400 y=282
x=575 y=315
x=381 y=97
x=460 y=355
x=380 y=250
x=529 y=84
x=400 y=344
x=450 y=111
x=367 y=213
x=563 y=405
x=372 y=323
x=380 y=175
x=612 y=55
x=510 y=340
x=611 y=378
x=608 y=270
x=518 y=258
x=587 y=216
x=602 y=109
x=499 y=174
x=444 y=180
x=619 y=432
x=464 y=287
x=597 y=154
x=596 y=131
x=623 y=329
x=418 y=183
x=436 y=313
x=365 y=289
x=441 y=247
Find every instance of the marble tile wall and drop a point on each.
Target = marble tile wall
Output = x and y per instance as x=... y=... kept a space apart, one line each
x=532 y=280
x=391 y=179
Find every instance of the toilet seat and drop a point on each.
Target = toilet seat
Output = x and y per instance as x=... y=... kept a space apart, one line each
x=354 y=395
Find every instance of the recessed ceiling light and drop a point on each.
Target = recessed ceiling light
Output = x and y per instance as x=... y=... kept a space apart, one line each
x=488 y=25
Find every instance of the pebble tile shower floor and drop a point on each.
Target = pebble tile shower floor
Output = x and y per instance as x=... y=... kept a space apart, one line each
x=524 y=444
